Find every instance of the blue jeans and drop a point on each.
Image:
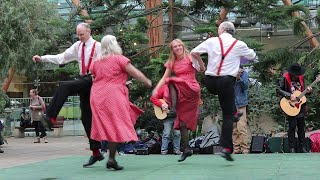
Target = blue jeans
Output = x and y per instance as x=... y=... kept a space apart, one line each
x=167 y=127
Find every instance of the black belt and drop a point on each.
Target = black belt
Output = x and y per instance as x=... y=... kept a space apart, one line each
x=219 y=77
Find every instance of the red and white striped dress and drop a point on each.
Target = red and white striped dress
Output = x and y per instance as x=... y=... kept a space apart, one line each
x=188 y=91
x=113 y=115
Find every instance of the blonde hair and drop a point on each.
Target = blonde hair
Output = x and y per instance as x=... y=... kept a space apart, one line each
x=172 y=56
x=110 y=46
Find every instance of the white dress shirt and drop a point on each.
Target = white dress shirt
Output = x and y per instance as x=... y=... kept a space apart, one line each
x=74 y=54
x=231 y=62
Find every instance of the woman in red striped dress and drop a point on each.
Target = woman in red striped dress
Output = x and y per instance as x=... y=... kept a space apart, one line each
x=113 y=115
x=181 y=92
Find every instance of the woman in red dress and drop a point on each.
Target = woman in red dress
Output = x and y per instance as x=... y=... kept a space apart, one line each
x=113 y=115
x=181 y=92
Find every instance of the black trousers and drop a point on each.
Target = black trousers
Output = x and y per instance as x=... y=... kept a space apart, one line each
x=223 y=86
x=81 y=86
x=300 y=124
x=38 y=127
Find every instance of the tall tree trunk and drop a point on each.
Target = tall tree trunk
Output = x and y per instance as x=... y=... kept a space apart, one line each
x=171 y=22
x=83 y=12
x=8 y=80
x=155 y=32
x=314 y=42
x=222 y=16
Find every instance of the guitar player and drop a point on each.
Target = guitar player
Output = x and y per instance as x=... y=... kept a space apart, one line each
x=293 y=80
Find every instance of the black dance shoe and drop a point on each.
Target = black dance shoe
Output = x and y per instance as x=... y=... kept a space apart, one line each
x=184 y=155
x=1 y=151
x=226 y=154
x=113 y=165
x=93 y=159
x=237 y=117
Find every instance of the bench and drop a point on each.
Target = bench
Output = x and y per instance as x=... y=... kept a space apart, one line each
x=57 y=128
x=19 y=131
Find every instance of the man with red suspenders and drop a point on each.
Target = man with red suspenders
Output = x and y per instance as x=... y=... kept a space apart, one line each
x=84 y=51
x=224 y=53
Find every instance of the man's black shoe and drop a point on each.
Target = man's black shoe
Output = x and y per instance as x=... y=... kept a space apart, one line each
x=113 y=165
x=237 y=116
x=93 y=159
x=1 y=151
x=171 y=114
x=226 y=154
x=184 y=155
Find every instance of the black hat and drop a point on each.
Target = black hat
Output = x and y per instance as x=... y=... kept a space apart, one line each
x=296 y=70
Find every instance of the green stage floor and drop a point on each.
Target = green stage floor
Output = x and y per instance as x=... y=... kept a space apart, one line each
x=166 y=167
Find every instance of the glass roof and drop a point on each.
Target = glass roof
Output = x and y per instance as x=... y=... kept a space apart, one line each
x=64 y=6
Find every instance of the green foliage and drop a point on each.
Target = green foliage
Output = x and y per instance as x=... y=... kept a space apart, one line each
x=263 y=99
x=289 y=10
x=109 y=13
x=207 y=28
x=298 y=28
x=4 y=100
x=255 y=8
x=252 y=43
x=157 y=68
x=318 y=17
x=131 y=37
x=28 y=27
x=272 y=63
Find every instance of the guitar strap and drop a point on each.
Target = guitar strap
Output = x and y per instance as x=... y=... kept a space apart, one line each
x=288 y=79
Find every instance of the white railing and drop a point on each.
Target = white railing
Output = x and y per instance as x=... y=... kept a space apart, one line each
x=26 y=101
x=70 y=111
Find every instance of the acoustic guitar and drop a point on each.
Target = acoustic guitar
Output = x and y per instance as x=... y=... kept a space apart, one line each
x=292 y=108
x=160 y=114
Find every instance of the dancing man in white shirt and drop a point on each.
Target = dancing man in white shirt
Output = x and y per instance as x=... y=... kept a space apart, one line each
x=84 y=51
x=224 y=53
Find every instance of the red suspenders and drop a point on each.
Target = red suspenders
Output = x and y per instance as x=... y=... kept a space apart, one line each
x=223 y=55
x=85 y=70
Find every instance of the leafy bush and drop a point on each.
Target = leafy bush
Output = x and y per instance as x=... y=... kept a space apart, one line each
x=4 y=100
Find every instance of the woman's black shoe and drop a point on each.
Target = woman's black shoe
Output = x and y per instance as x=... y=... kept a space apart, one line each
x=93 y=159
x=184 y=155
x=114 y=165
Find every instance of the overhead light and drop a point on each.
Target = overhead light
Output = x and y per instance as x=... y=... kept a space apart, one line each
x=59 y=4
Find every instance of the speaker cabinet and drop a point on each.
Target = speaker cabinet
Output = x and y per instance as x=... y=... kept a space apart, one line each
x=281 y=145
x=257 y=144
